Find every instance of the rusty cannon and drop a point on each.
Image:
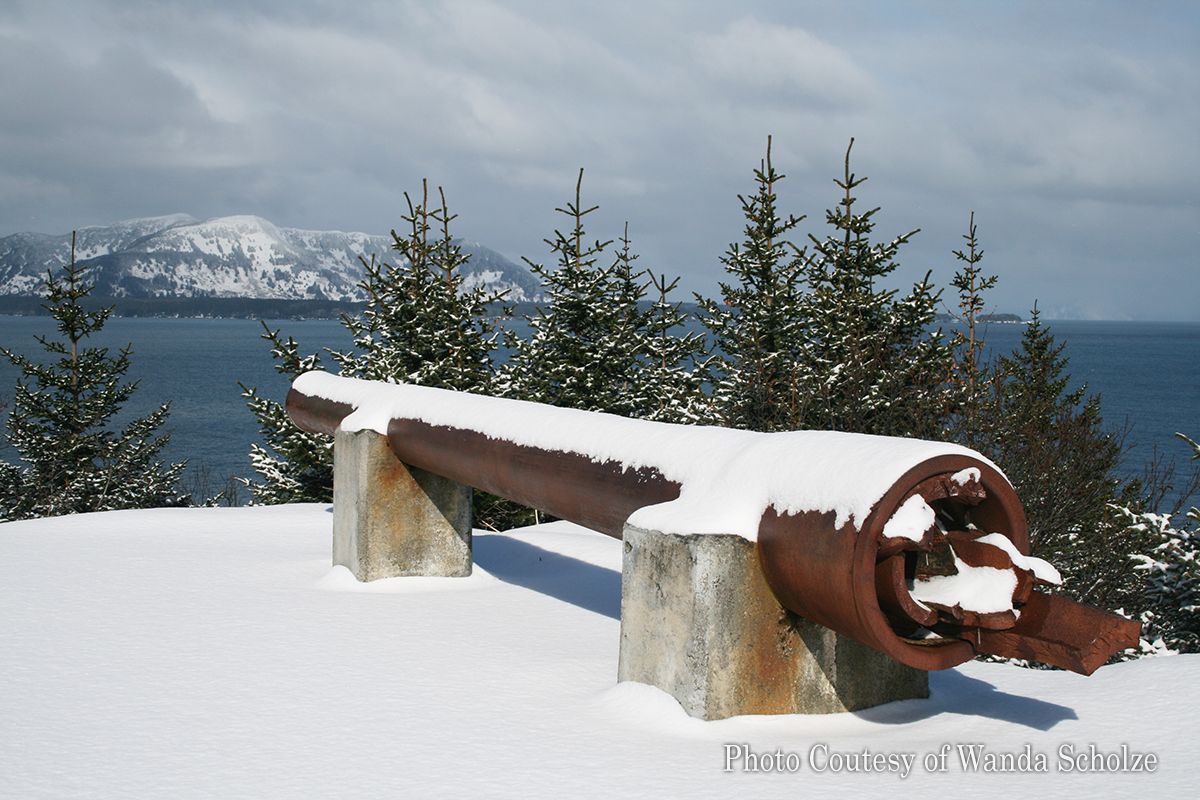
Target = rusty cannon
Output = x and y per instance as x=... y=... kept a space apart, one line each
x=905 y=552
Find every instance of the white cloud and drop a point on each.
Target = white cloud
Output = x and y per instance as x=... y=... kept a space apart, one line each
x=783 y=65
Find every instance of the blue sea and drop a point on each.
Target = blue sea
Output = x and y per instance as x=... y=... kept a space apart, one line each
x=1145 y=373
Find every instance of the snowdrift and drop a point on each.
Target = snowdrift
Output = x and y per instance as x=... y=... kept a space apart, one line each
x=214 y=653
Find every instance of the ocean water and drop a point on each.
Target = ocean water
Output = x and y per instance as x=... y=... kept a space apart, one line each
x=196 y=364
x=1145 y=373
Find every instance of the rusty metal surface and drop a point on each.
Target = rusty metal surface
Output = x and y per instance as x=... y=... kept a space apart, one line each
x=316 y=414
x=1058 y=631
x=850 y=578
x=597 y=495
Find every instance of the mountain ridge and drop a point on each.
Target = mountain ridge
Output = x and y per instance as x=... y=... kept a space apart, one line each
x=242 y=256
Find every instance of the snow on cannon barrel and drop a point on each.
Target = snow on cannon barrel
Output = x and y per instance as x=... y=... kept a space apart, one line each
x=917 y=549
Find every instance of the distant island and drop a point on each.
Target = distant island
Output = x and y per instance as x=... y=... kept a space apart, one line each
x=182 y=266
x=986 y=318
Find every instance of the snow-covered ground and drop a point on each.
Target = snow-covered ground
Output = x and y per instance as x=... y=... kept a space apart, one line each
x=215 y=653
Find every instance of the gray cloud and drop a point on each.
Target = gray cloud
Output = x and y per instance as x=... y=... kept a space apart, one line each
x=1071 y=129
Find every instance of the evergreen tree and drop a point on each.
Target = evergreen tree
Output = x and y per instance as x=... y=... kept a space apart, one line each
x=1170 y=566
x=759 y=324
x=565 y=361
x=1053 y=445
x=295 y=466
x=1064 y=464
x=61 y=423
x=671 y=377
x=870 y=361
x=813 y=341
x=969 y=379
x=419 y=326
x=597 y=345
x=1172 y=572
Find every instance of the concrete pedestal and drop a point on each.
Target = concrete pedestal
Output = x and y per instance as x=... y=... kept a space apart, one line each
x=390 y=519
x=699 y=622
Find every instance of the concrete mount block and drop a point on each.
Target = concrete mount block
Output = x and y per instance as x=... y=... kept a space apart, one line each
x=699 y=622
x=392 y=520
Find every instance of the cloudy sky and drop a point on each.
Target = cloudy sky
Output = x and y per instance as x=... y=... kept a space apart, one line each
x=1071 y=129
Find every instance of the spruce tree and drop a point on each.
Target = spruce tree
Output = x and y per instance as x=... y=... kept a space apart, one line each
x=969 y=380
x=419 y=326
x=871 y=361
x=598 y=345
x=565 y=361
x=814 y=341
x=295 y=466
x=62 y=421
x=1170 y=565
x=759 y=324
x=1065 y=465
x=1052 y=445
x=671 y=377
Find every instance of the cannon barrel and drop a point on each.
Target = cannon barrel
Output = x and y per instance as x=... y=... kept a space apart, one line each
x=818 y=504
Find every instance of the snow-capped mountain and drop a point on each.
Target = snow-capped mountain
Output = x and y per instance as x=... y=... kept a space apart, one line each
x=243 y=256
